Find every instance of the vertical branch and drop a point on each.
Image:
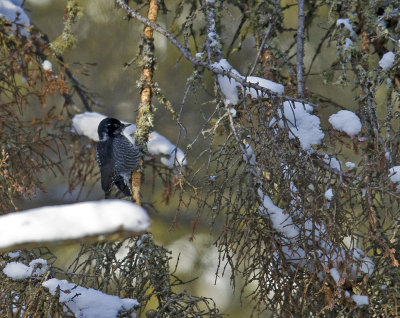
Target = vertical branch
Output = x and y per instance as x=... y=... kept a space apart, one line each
x=144 y=119
x=212 y=39
x=300 y=49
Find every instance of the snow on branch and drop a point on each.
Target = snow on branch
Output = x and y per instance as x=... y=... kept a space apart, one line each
x=347 y=122
x=387 y=60
x=18 y=270
x=94 y=221
x=394 y=176
x=281 y=221
x=12 y=11
x=89 y=302
x=229 y=86
x=172 y=156
x=301 y=123
x=346 y=24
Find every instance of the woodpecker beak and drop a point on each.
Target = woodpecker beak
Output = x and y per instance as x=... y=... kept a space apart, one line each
x=125 y=125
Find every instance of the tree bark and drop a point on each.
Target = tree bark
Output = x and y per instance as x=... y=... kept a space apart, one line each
x=144 y=119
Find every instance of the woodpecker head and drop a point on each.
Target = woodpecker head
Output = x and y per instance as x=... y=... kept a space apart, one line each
x=110 y=127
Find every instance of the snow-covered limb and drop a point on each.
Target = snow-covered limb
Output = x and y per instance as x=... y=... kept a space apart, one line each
x=301 y=123
x=281 y=221
x=360 y=300
x=350 y=165
x=348 y=43
x=89 y=302
x=394 y=174
x=18 y=270
x=47 y=66
x=387 y=60
x=347 y=122
x=332 y=162
x=329 y=194
x=274 y=87
x=87 y=123
x=97 y=220
x=249 y=157
x=347 y=25
x=229 y=85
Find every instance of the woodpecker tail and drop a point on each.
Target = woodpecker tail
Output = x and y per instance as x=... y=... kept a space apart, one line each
x=107 y=194
x=122 y=186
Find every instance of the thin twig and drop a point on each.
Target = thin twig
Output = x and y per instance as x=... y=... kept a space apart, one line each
x=267 y=33
x=318 y=50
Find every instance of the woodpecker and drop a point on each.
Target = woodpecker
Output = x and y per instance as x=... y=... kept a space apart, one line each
x=116 y=155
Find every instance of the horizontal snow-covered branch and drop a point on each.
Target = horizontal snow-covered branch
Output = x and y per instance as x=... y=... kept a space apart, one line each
x=97 y=220
x=229 y=85
x=88 y=122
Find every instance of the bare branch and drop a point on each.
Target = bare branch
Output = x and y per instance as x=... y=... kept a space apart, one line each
x=267 y=33
x=300 y=49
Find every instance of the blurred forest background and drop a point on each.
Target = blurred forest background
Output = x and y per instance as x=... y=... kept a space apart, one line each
x=103 y=62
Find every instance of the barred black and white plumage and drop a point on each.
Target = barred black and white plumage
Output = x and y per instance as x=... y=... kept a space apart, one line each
x=116 y=155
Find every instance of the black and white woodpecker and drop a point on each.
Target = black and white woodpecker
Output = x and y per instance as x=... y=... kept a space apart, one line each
x=117 y=156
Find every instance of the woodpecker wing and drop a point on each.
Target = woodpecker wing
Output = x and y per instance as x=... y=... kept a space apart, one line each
x=104 y=156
